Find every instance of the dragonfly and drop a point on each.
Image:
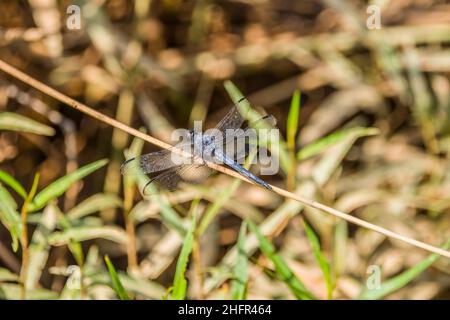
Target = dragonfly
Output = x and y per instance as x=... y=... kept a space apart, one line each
x=202 y=145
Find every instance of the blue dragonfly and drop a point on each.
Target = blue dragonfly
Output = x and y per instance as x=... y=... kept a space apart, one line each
x=205 y=146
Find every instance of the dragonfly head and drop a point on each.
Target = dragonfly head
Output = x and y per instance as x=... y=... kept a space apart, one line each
x=208 y=139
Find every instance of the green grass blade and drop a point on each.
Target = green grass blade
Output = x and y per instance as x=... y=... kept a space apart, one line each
x=83 y=233
x=16 y=122
x=117 y=284
x=8 y=276
x=9 y=216
x=322 y=144
x=291 y=132
x=34 y=187
x=323 y=263
x=239 y=284
x=238 y=99
x=70 y=236
x=292 y=120
x=281 y=268
x=60 y=186
x=179 y=282
x=401 y=280
x=339 y=247
x=9 y=180
x=39 y=248
x=97 y=202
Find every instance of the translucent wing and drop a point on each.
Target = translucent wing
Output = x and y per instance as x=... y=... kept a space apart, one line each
x=147 y=163
x=237 y=145
x=153 y=162
x=232 y=120
x=263 y=122
x=229 y=133
x=172 y=178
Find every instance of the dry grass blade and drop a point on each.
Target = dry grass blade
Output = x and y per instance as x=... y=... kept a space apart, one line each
x=7 y=68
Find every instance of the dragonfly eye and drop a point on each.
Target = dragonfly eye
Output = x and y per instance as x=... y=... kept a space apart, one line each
x=212 y=139
x=191 y=133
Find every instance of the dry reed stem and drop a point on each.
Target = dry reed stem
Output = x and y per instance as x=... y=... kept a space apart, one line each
x=7 y=68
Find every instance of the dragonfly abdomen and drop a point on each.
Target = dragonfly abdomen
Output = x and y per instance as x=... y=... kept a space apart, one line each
x=229 y=162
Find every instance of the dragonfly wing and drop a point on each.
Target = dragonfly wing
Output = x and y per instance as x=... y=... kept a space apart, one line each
x=151 y=162
x=267 y=121
x=155 y=161
x=148 y=163
x=171 y=179
x=194 y=173
x=237 y=144
x=232 y=120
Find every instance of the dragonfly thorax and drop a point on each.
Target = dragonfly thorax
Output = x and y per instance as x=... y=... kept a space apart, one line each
x=204 y=145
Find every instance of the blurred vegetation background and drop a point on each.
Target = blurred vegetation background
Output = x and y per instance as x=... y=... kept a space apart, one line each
x=369 y=135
